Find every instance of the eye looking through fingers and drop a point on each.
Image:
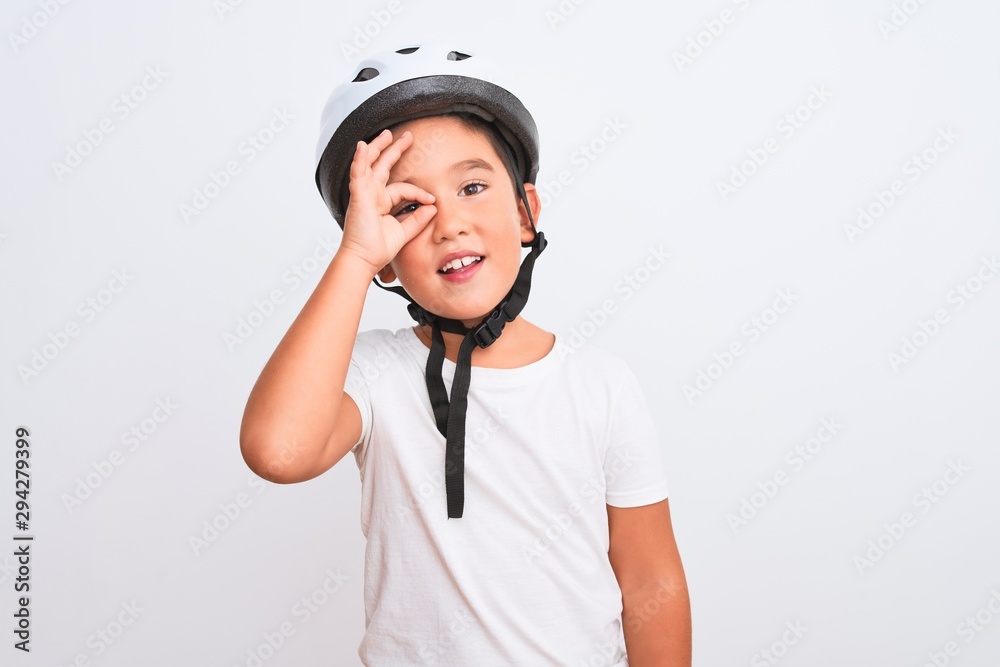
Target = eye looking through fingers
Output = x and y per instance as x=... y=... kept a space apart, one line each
x=410 y=207
x=406 y=198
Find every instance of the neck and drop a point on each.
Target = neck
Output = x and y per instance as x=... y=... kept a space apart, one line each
x=501 y=354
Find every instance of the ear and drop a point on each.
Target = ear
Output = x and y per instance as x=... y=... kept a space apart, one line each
x=536 y=209
x=386 y=274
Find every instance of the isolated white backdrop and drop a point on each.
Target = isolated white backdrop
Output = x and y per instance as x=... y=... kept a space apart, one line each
x=680 y=128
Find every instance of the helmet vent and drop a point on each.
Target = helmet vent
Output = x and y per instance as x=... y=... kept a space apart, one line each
x=457 y=55
x=366 y=74
x=408 y=50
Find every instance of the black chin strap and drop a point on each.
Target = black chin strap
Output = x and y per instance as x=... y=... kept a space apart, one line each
x=449 y=414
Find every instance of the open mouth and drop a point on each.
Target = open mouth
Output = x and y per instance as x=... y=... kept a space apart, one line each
x=460 y=265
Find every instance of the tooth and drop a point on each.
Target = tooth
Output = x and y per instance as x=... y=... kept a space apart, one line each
x=468 y=260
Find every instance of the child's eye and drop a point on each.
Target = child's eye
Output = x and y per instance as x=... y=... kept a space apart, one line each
x=406 y=210
x=477 y=184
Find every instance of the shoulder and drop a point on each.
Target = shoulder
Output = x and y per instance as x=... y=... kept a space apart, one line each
x=595 y=370
x=591 y=359
x=383 y=339
x=378 y=345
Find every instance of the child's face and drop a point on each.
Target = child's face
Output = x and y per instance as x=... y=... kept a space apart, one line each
x=478 y=215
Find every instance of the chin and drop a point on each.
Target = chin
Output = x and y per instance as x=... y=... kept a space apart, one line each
x=465 y=312
x=467 y=303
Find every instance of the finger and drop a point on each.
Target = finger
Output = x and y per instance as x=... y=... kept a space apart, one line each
x=402 y=190
x=382 y=139
x=358 y=182
x=390 y=155
x=415 y=222
x=378 y=144
x=367 y=198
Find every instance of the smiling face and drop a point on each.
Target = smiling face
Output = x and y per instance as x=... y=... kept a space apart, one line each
x=467 y=257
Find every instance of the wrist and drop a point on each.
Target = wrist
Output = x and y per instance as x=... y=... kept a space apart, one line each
x=353 y=265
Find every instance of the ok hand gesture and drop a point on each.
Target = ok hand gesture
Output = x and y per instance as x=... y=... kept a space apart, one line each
x=370 y=232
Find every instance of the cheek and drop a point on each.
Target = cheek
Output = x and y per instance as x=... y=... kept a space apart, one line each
x=512 y=244
x=408 y=257
x=507 y=262
x=414 y=268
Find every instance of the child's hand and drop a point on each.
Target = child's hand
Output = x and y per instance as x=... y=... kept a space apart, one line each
x=370 y=233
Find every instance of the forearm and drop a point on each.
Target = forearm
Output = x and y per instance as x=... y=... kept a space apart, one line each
x=657 y=624
x=294 y=404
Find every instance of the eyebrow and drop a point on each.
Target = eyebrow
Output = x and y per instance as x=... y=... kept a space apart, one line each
x=474 y=163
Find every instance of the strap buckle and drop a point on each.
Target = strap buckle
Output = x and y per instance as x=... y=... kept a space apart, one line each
x=417 y=313
x=538 y=240
x=489 y=330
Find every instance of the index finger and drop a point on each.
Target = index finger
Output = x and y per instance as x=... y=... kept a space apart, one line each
x=390 y=155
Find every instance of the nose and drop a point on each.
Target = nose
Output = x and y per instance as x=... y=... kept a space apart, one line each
x=449 y=221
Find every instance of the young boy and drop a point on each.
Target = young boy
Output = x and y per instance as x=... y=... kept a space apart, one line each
x=513 y=496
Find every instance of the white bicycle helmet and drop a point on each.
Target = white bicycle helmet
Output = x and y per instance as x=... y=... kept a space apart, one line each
x=413 y=82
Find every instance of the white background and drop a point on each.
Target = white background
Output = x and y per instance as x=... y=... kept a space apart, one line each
x=687 y=125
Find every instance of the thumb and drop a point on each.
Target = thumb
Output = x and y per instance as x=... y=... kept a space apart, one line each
x=415 y=222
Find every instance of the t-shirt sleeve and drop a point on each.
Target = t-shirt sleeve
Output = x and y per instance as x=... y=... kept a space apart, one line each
x=363 y=362
x=633 y=467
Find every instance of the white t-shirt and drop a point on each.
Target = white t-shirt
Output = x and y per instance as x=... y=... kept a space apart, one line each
x=523 y=577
